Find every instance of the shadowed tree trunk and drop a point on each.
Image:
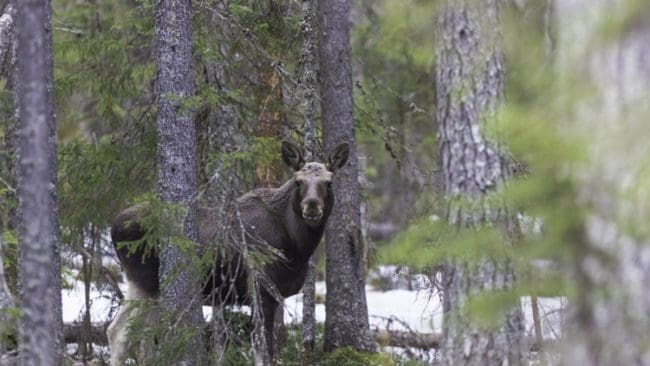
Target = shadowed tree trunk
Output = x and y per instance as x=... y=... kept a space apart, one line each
x=41 y=325
x=346 y=320
x=308 y=84
x=269 y=98
x=269 y=125
x=469 y=84
x=177 y=178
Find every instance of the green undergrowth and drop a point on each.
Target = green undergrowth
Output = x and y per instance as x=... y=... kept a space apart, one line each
x=239 y=351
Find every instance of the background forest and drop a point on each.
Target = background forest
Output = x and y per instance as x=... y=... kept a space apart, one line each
x=498 y=180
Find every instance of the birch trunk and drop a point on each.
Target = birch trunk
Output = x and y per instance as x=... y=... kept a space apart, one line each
x=469 y=84
x=41 y=324
x=176 y=159
x=346 y=318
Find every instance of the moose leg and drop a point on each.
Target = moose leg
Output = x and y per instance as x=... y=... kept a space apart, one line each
x=269 y=305
x=148 y=345
x=117 y=332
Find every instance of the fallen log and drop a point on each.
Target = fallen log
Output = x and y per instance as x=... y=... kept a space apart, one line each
x=393 y=338
x=78 y=333
x=96 y=333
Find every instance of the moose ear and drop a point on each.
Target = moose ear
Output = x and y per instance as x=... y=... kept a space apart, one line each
x=338 y=157
x=292 y=155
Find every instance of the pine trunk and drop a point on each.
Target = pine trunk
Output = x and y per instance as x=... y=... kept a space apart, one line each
x=469 y=84
x=269 y=97
x=177 y=178
x=269 y=126
x=41 y=328
x=308 y=85
x=346 y=319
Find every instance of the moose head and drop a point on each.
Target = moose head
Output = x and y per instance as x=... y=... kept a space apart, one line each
x=313 y=181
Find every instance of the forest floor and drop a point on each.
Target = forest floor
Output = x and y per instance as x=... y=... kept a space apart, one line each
x=400 y=309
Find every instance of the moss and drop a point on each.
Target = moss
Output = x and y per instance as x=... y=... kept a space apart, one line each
x=351 y=357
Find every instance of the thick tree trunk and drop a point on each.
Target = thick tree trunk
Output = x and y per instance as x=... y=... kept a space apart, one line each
x=177 y=177
x=469 y=84
x=308 y=85
x=609 y=313
x=269 y=98
x=269 y=126
x=41 y=328
x=346 y=321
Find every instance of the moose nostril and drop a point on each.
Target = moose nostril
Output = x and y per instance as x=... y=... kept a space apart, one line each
x=311 y=207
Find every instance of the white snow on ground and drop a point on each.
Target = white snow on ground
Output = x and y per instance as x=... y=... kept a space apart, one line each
x=419 y=310
x=412 y=307
x=74 y=307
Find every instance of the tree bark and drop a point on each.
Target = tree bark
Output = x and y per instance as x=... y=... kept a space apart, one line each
x=176 y=159
x=41 y=328
x=469 y=84
x=308 y=85
x=269 y=98
x=346 y=320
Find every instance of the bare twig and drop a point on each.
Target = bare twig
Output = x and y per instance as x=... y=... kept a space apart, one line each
x=111 y=280
x=76 y=32
x=9 y=187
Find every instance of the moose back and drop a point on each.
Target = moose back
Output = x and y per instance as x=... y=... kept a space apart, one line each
x=290 y=219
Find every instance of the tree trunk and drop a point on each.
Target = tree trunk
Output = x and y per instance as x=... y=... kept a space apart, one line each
x=308 y=84
x=469 y=84
x=609 y=313
x=41 y=328
x=177 y=178
x=346 y=319
x=269 y=98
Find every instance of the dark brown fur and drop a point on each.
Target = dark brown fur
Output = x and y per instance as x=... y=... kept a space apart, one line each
x=276 y=217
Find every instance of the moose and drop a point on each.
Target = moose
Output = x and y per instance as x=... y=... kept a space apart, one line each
x=291 y=219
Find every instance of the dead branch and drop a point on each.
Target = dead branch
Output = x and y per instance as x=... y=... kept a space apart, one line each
x=393 y=338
